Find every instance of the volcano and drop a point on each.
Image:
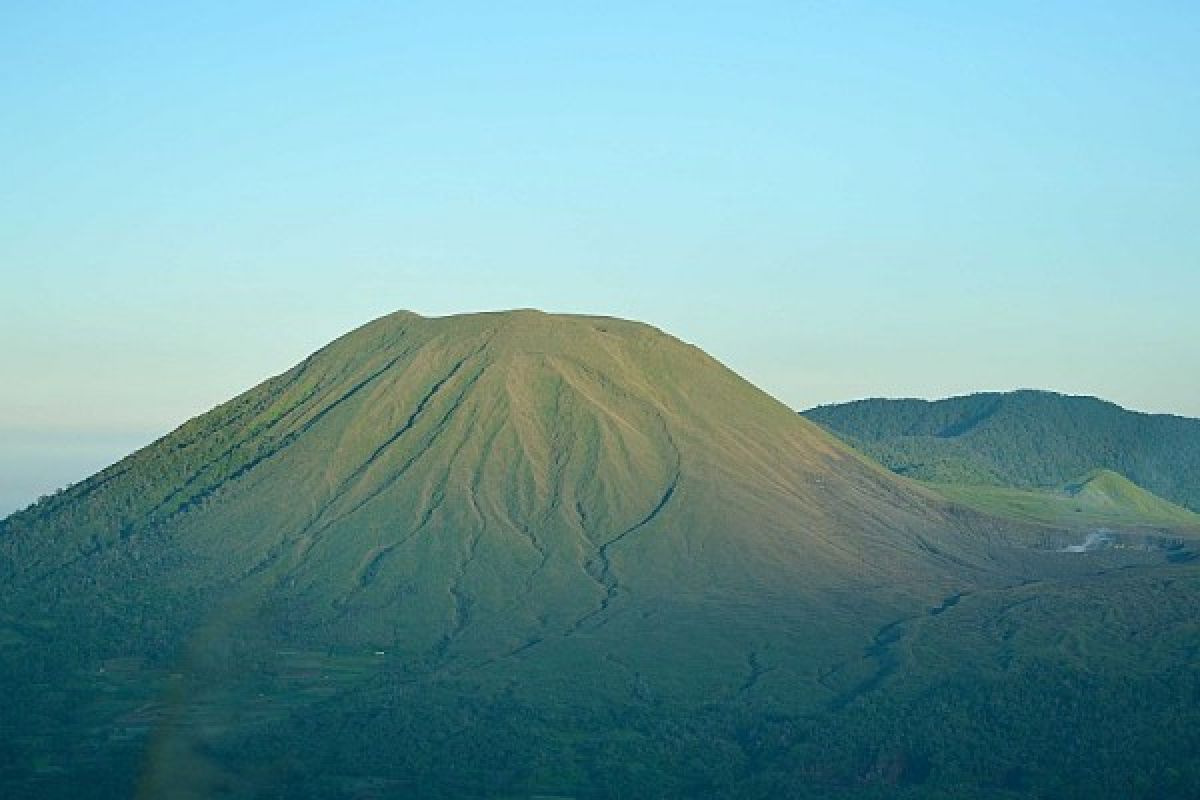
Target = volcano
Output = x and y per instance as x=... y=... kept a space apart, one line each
x=440 y=553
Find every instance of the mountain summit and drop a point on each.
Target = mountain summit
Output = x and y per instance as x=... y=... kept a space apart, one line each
x=467 y=485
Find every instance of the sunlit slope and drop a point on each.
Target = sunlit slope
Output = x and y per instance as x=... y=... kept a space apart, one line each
x=1101 y=498
x=1105 y=489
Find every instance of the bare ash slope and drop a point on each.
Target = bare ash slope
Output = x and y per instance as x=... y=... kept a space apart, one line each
x=462 y=490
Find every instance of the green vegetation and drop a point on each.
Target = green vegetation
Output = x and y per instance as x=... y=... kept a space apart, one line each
x=1101 y=499
x=531 y=555
x=1023 y=439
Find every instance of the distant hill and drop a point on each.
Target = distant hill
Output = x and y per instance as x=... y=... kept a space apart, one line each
x=1104 y=489
x=1023 y=439
x=1100 y=499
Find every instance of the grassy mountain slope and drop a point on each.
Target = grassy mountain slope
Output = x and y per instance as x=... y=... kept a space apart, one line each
x=1024 y=439
x=1100 y=499
x=1105 y=489
x=510 y=553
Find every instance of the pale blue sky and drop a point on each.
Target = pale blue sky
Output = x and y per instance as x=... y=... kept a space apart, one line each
x=838 y=200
